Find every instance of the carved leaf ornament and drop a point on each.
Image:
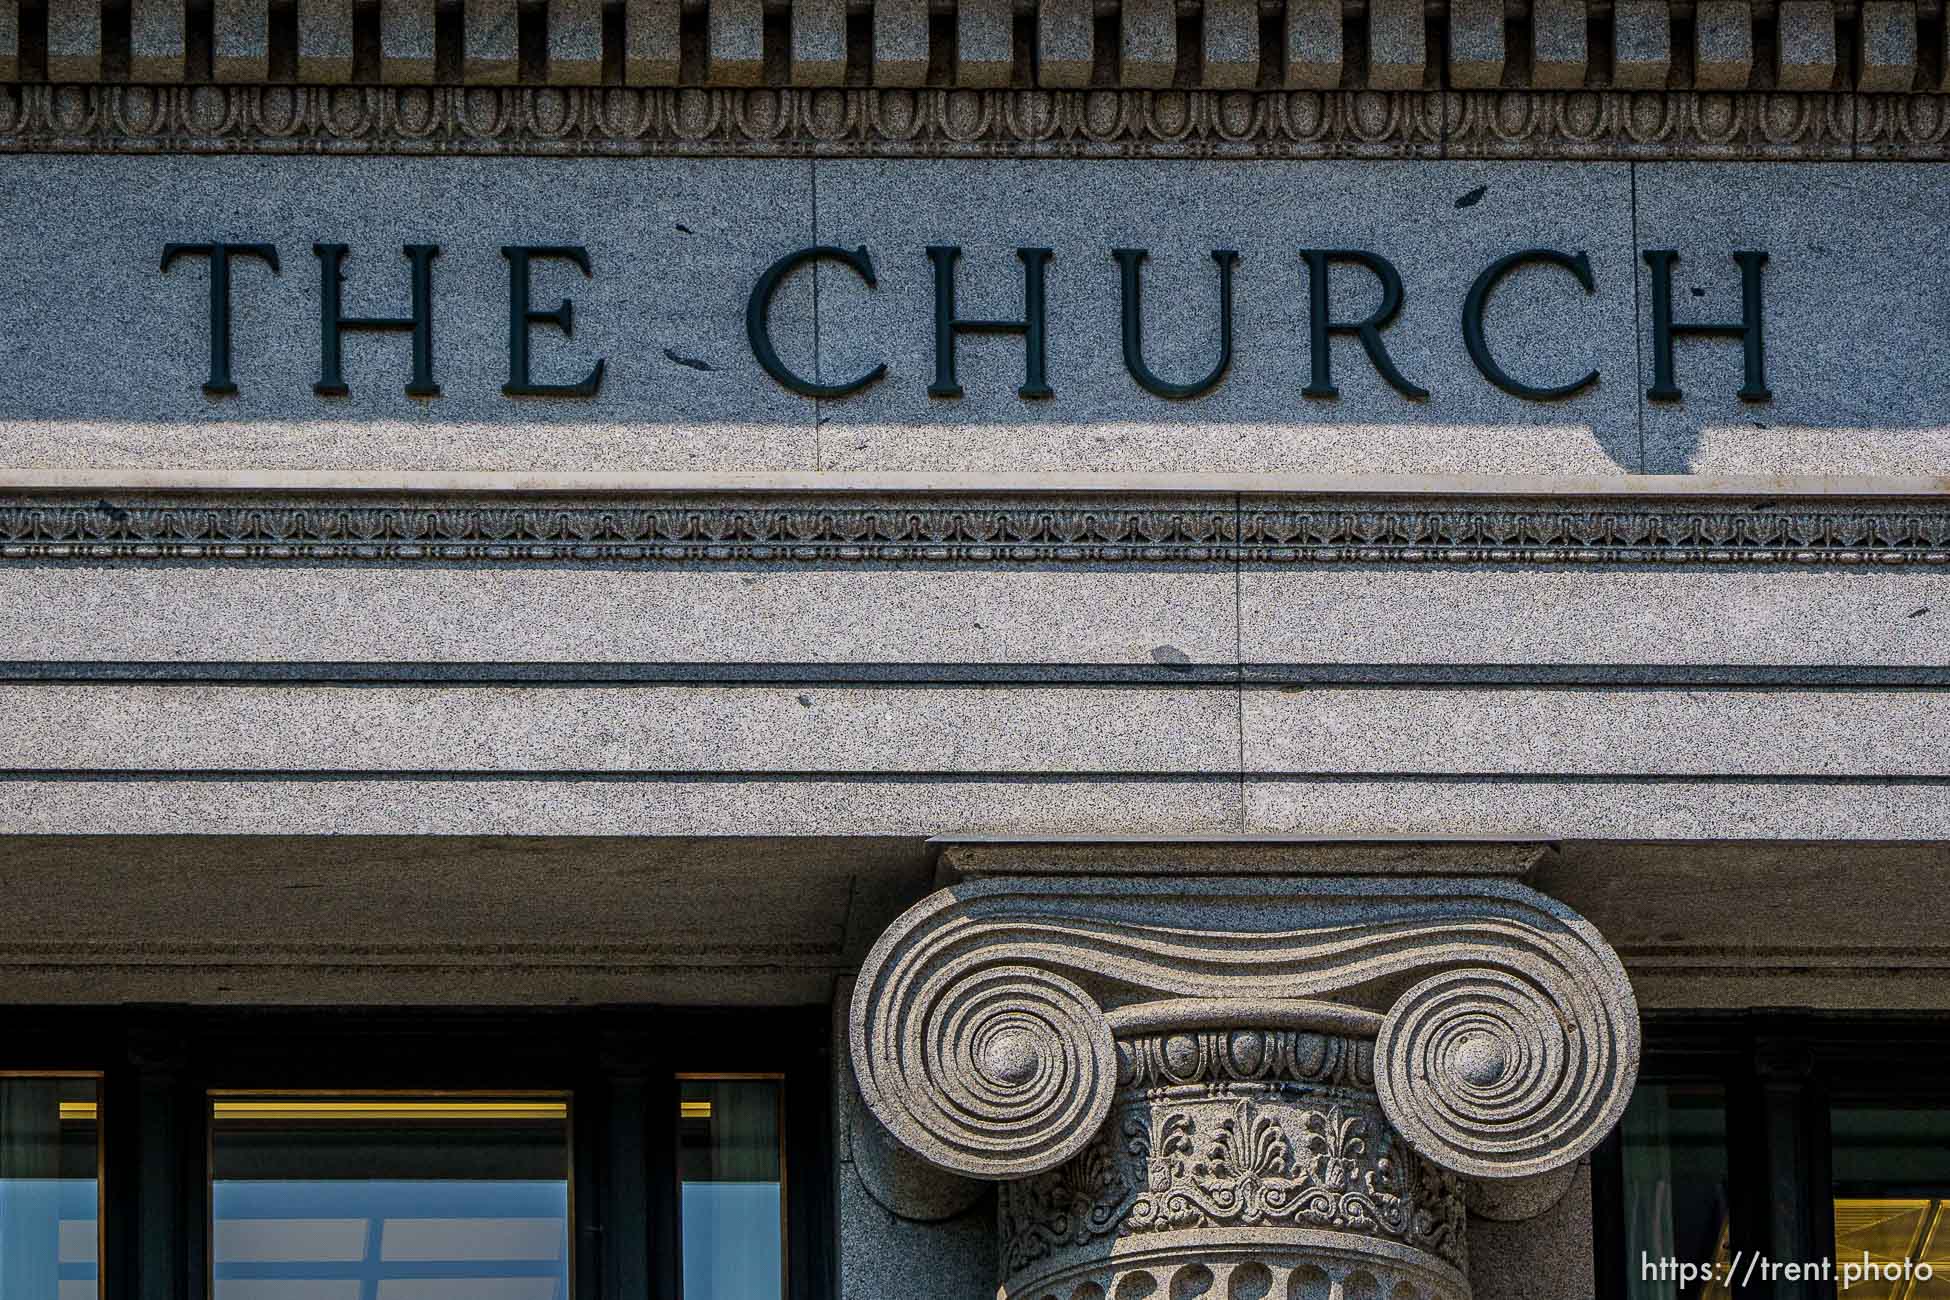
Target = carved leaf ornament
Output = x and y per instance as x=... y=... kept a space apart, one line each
x=983 y=1026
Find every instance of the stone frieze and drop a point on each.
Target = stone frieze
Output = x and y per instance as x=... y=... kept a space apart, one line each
x=1050 y=528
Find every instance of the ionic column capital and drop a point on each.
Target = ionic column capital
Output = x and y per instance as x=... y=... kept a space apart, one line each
x=994 y=1023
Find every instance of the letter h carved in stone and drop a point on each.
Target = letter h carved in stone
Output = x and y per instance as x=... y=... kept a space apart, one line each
x=1242 y=1087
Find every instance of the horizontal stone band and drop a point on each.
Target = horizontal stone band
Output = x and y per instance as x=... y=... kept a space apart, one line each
x=649 y=530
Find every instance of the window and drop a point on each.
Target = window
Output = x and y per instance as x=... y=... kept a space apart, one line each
x=731 y=1166
x=1818 y=1148
x=1891 y=1167
x=50 y=1186
x=1674 y=1155
x=561 y=1155
x=374 y=1197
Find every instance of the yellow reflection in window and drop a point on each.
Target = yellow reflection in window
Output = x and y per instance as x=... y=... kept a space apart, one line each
x=50 y=1186
x=360 y=1111
x=1881 y=1235
x=731 y=1166
x=376 y=1196
x=1719 y=1286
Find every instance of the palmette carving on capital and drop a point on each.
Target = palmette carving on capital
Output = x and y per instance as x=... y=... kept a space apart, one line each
x=1251 y=1129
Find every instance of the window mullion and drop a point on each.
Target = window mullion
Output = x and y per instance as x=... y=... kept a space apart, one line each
x=666 y=1267
x=626 y=1212
x=1793 y=1200
x=166 y=1205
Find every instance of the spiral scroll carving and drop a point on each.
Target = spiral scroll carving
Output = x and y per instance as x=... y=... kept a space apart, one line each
x=1488 y=1075
x=983 y=1025
x=1003 y=1071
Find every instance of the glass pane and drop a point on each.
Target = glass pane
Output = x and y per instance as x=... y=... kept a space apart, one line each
x=730 y=1162
x=1892 y=1176
x=389 y=1198
x=49 y=1193
x=1674 y=1151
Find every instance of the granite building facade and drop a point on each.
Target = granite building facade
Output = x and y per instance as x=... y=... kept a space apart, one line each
x=1060 y=649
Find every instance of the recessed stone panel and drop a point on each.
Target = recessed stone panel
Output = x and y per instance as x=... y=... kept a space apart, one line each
x=1439 y=224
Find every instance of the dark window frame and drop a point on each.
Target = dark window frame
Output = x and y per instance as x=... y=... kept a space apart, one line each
x=1781 y=1073
x=620 y=1066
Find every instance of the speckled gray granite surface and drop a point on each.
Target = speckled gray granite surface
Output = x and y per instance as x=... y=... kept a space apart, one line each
x=105 y=354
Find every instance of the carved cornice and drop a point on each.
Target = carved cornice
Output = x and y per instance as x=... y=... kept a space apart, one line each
x=1838 y=532
x=985 y=1024
x=783 y=122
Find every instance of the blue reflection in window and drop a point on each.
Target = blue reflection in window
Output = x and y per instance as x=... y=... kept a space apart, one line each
x=390 y=1240
x=49 y=1197
x=324 y=1205
x=731 y=1163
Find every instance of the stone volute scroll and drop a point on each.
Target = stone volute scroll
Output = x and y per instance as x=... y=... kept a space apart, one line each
x=1242 y=1086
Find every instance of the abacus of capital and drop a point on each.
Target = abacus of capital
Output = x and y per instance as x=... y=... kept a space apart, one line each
x=1290 y=1085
